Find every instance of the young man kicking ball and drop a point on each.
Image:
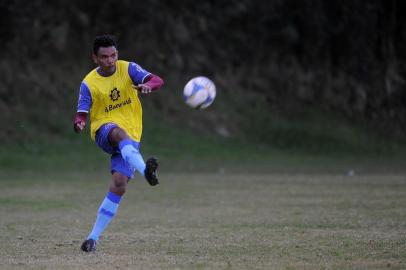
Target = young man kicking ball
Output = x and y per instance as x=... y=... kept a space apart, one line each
x=109 y=95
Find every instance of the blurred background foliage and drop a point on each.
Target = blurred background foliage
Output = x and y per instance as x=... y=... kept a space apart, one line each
x=312 y=76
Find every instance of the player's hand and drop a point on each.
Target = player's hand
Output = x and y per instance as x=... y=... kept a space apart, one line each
x=143 y=88
x=79 y=126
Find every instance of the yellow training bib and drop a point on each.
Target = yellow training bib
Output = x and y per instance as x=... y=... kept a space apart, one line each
x=114 y=100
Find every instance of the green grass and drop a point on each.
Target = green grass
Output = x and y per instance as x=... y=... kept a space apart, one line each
x=320 y=133
x=206 y=221
x=312 y=143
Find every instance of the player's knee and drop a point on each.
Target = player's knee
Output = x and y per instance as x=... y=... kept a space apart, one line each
x=118 y=189
x=119 y=184
x=116 y=135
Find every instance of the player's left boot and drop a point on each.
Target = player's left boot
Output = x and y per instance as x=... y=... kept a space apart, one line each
x=150 y=171
x=88 y=245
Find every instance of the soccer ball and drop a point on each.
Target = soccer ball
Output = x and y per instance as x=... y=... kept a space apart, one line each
x=199 y=92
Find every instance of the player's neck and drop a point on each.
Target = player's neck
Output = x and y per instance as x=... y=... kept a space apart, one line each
x=106 y=73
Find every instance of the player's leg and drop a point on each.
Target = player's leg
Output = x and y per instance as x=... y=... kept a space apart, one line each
x=107 y=210
x=123 y=162
x=112 y=139
x=129 y=150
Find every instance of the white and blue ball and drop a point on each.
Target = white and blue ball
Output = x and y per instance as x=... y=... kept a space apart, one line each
x=199 y=92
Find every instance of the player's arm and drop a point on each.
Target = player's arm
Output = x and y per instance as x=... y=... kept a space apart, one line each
x=151 y=83
x=144 y=81
x=84 y=105
x=79 y=122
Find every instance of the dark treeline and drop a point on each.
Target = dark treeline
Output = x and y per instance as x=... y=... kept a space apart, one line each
x=266 y=57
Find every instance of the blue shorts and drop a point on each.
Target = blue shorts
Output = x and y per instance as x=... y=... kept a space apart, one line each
x=118 y=164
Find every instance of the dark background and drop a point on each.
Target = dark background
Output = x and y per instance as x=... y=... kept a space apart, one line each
x=273 y=62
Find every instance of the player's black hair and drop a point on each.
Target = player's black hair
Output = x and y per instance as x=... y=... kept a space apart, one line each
x=103 y=41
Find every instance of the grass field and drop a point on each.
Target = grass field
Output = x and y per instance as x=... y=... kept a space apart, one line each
x=207 y=221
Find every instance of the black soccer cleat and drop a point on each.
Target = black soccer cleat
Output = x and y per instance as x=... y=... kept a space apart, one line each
x=150 y=171
x=89 y=245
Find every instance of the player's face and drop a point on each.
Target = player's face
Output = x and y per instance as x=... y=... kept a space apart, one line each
x=106 y=58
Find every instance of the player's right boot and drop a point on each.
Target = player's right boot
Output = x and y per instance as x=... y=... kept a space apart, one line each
x=150 y=171
x=88 y=245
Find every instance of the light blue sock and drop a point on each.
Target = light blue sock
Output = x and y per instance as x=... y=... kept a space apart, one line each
x=107 y=210
x=132 y=155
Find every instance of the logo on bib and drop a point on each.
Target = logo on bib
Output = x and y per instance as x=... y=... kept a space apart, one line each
x=115 y=94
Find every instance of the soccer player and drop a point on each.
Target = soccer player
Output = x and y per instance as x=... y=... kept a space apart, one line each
x=109 y=96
